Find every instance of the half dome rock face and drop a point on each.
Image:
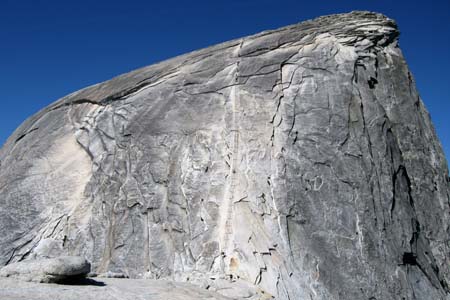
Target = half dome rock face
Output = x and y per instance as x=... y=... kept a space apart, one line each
x=300 y=160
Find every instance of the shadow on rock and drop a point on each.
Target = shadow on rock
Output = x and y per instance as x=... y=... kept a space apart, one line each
x=80 y=281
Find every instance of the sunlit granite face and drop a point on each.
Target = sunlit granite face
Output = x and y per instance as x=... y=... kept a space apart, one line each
x=298 y=163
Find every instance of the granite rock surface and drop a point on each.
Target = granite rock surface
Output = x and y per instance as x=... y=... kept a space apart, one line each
x=297 y=163
x=48 y=270
x=106 y=289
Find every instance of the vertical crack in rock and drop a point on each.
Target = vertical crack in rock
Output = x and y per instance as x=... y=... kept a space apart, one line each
x=226 y=219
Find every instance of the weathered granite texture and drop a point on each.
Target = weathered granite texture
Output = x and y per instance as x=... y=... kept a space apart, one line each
x=300 y=161
x=106 y=289
x=48 y=270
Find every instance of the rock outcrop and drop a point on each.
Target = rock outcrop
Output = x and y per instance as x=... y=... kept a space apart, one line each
x=123 y=289
x=299 y=162
x=50 y=270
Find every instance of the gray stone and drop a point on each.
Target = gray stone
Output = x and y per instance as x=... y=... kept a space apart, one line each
x=48 y=270
x=106 y=289
x=301 y=161
x=111 y=275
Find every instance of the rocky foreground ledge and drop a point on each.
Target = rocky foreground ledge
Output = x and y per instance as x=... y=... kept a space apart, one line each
x=106 y=289
x=297 y=163
x=69 y=277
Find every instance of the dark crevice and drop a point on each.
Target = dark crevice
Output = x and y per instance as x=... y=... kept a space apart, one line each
x=278 y=108
x=400 y=173
x=376 y=66
x=372 y=82
x=25 y=134
x=76 y=102
x=409 y=258
x=13 y=254
x=357 y=64
x=84 y=101
x=436 y=281
x=86 y=149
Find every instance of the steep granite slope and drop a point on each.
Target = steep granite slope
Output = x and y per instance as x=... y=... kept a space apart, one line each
x=300 y=160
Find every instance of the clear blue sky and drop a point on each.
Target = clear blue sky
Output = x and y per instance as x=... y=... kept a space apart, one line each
x=51 y=48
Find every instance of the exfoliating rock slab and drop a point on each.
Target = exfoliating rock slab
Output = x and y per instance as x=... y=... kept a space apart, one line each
x=48 y=270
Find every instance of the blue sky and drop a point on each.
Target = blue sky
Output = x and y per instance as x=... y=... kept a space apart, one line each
x=51 y=48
